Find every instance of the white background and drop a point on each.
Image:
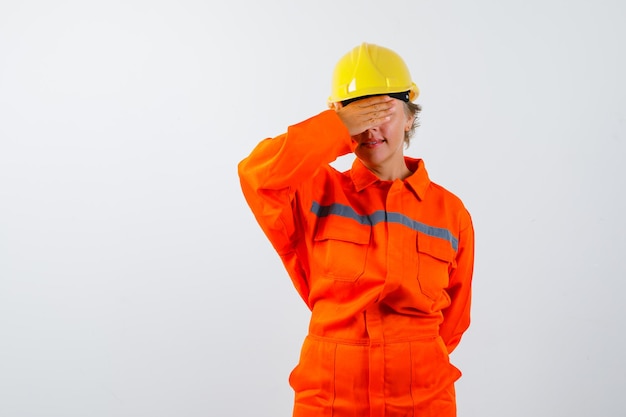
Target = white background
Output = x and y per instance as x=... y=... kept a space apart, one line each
x=133 y=278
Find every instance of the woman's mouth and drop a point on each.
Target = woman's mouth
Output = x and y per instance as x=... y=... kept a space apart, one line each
x=372 y=143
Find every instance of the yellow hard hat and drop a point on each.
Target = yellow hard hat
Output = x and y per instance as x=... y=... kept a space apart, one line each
x=371 y=70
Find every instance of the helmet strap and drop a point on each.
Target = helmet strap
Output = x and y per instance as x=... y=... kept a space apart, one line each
x=402 y=96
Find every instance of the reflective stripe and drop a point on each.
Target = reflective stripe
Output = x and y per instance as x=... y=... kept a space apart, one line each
x=380 y=216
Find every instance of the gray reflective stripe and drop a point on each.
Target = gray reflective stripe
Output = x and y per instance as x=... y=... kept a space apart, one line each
x=383 y=216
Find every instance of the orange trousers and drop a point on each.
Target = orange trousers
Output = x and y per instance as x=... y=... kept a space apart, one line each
x=406 y=377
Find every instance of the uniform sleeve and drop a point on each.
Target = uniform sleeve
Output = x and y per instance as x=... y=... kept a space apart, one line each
x=276 y=178
x=457 y=315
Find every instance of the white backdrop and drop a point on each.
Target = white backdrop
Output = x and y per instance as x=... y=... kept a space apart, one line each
x=133 y=278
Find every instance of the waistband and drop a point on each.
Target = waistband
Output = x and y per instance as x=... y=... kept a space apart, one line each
x=368 y=342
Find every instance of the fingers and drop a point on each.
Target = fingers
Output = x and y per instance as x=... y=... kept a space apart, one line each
x=373 y=101
x=374 y=106
x=367 y=113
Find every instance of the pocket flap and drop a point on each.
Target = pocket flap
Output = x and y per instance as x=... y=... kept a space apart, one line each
x=436 y=247
x=345 y=230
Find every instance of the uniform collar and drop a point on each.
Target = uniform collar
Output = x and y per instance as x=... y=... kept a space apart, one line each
x=419 y=181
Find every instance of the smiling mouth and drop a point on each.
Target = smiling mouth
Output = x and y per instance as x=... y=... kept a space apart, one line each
x=371 y=143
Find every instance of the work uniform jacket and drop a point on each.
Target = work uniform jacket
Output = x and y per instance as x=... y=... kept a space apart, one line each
x=384 y=266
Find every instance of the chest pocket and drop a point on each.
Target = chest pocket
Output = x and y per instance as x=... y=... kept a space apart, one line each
x=436 y=259
x=340 y=248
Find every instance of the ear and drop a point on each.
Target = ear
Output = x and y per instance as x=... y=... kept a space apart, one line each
x=409 y=123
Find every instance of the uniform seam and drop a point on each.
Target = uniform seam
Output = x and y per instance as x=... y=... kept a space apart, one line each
x=334 y=379
x=411 y=378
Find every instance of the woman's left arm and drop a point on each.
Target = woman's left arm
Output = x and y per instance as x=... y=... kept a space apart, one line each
x=457 y=315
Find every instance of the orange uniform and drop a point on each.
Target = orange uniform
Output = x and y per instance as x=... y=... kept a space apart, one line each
x=384 y=266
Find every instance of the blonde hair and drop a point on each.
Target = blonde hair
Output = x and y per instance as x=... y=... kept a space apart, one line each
x=412 y=110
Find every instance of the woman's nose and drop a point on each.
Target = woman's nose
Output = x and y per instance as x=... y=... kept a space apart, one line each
x=371 y=132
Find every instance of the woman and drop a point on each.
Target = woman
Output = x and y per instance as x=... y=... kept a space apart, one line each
x=381 y=255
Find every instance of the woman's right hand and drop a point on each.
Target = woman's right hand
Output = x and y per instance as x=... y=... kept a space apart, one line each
x=366 y=113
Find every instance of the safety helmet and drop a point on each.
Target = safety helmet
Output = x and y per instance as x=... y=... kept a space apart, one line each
x=370 y=70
